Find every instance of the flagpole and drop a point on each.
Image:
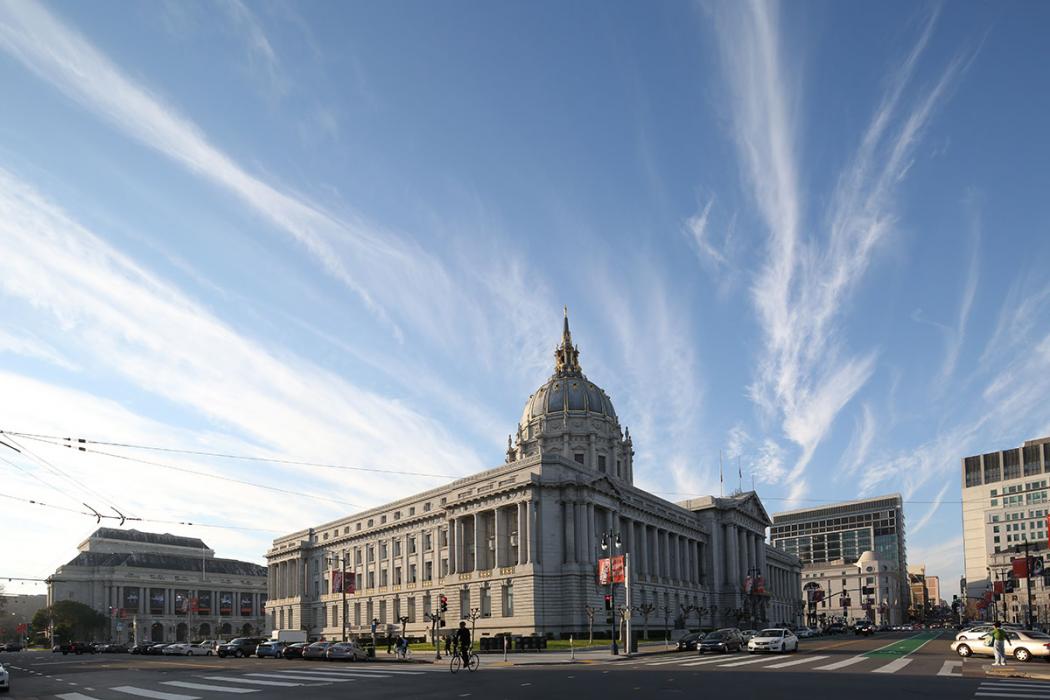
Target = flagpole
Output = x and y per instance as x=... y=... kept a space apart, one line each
x=721 y=477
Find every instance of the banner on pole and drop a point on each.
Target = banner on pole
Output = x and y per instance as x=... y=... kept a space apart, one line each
x=617 y=569
x=1020 y=567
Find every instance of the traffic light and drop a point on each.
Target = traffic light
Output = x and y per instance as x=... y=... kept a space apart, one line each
x=608 y=602
x=444 y=602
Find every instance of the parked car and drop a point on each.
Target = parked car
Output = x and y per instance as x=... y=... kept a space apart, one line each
x=748 y=634
x=177 y=649
x=141 y=648
x=1022 y=644
x=316 y=650
x=346 y=651
x=721 y=641
x=773 y=639
x=689 y=641
x=156 y=649
x=294 y=651
x=270 y=650
x=115 y=648
x=864 y=629
x=806 y=632
x=200 y=649
x=11 y=646
x=5 y=679
x=239 y=647
x=79 y=648
x=835 y=628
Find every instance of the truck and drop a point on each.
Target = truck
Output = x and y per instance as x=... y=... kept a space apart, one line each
x=288 y=636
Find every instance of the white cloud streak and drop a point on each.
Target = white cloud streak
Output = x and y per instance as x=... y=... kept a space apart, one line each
x=805 y=374
x=27 y=345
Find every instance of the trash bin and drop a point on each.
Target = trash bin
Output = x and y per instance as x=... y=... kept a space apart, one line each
x=371 y=652
x=543 y=642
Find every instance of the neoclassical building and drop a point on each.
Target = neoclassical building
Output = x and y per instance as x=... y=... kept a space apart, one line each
x=518 y=544
x=162 y=588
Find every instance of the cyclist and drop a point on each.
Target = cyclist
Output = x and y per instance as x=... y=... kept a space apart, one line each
x=463 y=643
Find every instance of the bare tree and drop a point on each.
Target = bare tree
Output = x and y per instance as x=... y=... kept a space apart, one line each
x=590 y=610
x=667 y=610
x=646 y=609
x=687 y=611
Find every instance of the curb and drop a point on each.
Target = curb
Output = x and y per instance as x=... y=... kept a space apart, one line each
x=1009 y=672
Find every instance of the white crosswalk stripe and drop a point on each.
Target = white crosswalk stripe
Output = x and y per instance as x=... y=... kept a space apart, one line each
x=205 y=686
x=796 y=662
x=300 y=677
x=745 y=662
x=948 y=669
x=253 y=681
x=719 y=660
x=74 y=696
x=841 y=664
x=893 y=666
x=349 y=674
x=155 y=694
x=1013 y=689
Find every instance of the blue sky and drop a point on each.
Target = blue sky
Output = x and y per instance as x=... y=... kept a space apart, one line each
x=812 y=236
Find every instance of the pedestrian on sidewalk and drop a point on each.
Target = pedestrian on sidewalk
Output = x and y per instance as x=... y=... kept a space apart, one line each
x=448 y=645
x=998 y=640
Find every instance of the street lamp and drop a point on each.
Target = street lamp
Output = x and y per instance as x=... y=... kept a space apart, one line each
x=341 y=560
x=609 y=538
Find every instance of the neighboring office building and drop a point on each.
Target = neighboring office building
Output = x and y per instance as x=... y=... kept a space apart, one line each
x=838 y=534
x=1006 y=501
x=520 y=542
x=933 y=589
x=919 y=593
x=850 y=592
x=162 y=588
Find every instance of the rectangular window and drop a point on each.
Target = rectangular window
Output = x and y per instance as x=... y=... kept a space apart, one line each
x=357 y=613
x=601 y=463
x=397 y=575
x=397 y=548
x=382 y=611
x=382 y=550
x=578 y=457
x=383 y=578
x=411 y=612
x=371 y=579
x=508 y=600
x=411 y=573
x=444 y=568
x=486 y=601
x=428 y=542
x=464 y=604
x=411 y=545
x=443 y=542
x=428 y=570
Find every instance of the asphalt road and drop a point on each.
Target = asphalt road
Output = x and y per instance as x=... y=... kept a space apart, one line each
x=885 y=666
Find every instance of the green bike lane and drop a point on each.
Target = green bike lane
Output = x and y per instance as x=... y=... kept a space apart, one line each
x=904 y=647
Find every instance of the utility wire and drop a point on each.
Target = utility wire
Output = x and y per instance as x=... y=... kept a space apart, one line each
x=801 y=500
x=195 y=472
x=142 y=520
x=79 y=443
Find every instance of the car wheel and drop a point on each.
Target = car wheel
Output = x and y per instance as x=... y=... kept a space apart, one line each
x=963 y=651
x=1023 y=655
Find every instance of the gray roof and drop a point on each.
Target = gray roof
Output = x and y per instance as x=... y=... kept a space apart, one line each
x=171 y=562
x=112 y=533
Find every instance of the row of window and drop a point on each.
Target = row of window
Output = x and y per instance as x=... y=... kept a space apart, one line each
x=427 y=507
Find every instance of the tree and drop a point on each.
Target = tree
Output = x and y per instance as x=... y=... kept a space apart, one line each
x=590 y=609
x=646 y=609
x=687 y=611
x=70 y=620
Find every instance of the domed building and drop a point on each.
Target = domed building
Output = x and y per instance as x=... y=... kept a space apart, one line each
x=517 y=548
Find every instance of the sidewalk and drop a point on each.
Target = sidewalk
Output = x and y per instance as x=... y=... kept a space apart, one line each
x=1019 y=670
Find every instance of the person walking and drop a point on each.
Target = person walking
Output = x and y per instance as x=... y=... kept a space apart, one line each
x=448 y=645
x=998 y=639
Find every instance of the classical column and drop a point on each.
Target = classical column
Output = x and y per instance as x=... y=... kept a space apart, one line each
x=535 y=516
x=523 y=527
x=732 y=547
x=762 y=554
x=743 y=552
x=569 y=522
x=481 y=551
x=497 y=533
x=592 y=546
x=579 y=511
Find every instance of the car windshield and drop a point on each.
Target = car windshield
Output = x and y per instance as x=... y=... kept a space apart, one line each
x=1037 y=635
x=715 y=636
x=240 y=640
x=771 y=633
x=319 y=644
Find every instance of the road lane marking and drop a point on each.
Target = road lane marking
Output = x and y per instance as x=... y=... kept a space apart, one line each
x=75 y=696
x=1034 y=696
x=205 y=686
x=349 y=674
x=720 y=660
x=796 y=662
x=948 y=669
x=301 y=677
x=893 y=666
x=155 y=694
x=841 y=664
x=745 y=662
x=253 y=681
x=362 y=670
x=662 y=662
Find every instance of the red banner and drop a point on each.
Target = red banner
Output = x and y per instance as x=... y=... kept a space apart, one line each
x=604 y=572
x=610 y=569
x=617 y=569
x=760 y=585
x=337 y=582
x=1020 y=566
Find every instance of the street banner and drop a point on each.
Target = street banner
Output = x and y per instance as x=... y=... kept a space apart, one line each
x=226 y=603
x=182 y=599
x=204 y=602
x=998 y=586
x=747 y=584
x=760 y=585
x=131 y=599
x=604 y=572
x=337 y=582
x=1020 y=567
x=617 y=569
x=195 y=605
x=1036 y=566
x=246 y=604
x=157 y=600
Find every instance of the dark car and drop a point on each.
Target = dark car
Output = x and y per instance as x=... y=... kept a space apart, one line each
x=689 y=641
x=294 y=651
x=239 y=648
x=156 y=649
x=141 y=648
x=115 y=649
x=79 y=648
x=11 y=646
x=864 y=629
x=721 y=641
x=835 y=628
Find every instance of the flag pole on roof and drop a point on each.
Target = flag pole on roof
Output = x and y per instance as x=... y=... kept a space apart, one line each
x=721 y=477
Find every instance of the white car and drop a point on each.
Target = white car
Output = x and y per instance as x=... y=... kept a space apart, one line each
x=5 y=679
x=973 y=634
x=201 y=649
x=774 y=639
x=806 y=633
x=175 y=650
x=748 y=634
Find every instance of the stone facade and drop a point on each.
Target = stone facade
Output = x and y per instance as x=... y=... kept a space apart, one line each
x=851 y=592
x=163 y=588
x=517 y=546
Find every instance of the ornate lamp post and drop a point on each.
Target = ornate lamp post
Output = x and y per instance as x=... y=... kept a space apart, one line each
x=341 y=561
x=609 y=539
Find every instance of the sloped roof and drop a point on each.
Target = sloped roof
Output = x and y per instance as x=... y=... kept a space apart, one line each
x=112 y=533
x=231 y=567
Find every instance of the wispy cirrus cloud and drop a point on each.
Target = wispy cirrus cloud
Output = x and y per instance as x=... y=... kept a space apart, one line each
x=28 y=345
x=805 y=375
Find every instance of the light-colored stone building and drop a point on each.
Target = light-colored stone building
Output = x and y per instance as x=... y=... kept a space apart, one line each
x=851 y=592
x=518 y=545
x=162 y=588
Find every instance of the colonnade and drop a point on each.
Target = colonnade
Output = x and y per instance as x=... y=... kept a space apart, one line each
x=744 y=551
x=494 y=538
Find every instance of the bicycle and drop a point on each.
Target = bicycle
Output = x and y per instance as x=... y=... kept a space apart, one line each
x=473 y=661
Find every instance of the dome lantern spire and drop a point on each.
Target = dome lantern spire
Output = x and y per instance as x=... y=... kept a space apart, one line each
x=567 y=356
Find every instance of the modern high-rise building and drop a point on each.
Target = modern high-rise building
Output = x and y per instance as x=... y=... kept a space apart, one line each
x=1006 y=502
x=841 y=533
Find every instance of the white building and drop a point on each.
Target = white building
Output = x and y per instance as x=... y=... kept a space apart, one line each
x=519 y=543
x=850 y=592
x=162 y=588
x=1006 y=501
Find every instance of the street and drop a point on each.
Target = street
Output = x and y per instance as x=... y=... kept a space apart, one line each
x=887 y=665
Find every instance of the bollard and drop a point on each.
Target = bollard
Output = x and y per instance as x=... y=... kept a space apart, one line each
x=505 y=648
x=572 y=649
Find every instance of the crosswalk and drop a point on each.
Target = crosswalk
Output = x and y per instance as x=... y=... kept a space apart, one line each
x=804 y=662
x=1013 y=688
x=215 y=685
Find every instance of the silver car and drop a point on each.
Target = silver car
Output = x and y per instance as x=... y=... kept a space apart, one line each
x=1021 y=644
x=345 y=651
